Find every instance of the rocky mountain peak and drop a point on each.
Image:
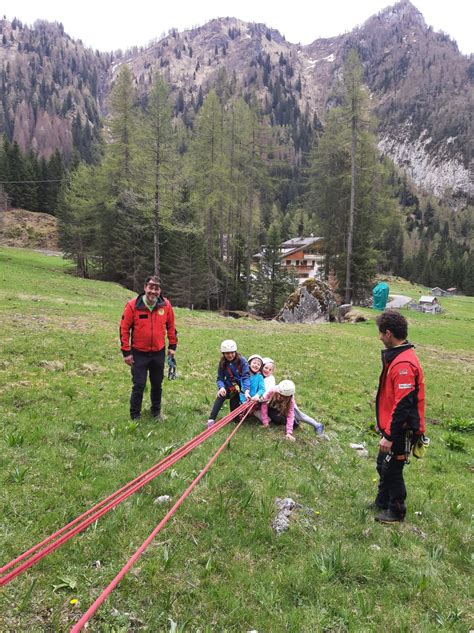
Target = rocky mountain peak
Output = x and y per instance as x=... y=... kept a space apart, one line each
x=403 y=11
x=419 y=83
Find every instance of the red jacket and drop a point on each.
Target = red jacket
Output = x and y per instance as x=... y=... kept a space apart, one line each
x=145 y=330
x=400 y=400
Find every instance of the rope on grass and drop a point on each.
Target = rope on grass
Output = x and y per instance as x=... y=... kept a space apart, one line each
x=49 y=544
x=108 y=590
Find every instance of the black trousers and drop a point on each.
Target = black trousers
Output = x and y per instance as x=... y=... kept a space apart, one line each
x=277 y=418
x=234 y=403
x=151 y=363
x=391 y=491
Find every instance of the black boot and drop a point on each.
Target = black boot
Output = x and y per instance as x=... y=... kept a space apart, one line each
x=389 y=516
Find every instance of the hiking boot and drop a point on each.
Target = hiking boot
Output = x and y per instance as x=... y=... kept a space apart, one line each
x=157 y=417
x=375 y=506
x=135 y=416
x=388 y=516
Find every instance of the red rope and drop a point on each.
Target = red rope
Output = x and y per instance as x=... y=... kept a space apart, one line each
x=94 y=513
x=108 y=590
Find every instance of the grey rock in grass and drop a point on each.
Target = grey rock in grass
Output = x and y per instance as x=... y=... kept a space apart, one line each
x=281 y=522
x=313 y=302
x=354 y=317
x=360 y=449
x=343 y=310
x=162 y=499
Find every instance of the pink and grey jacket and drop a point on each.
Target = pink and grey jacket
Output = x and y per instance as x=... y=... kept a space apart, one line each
x=290 y=418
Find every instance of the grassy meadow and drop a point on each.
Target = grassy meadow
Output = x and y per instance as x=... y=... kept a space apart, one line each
x=66 y=442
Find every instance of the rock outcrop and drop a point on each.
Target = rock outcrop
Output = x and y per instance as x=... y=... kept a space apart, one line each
x=312 y=302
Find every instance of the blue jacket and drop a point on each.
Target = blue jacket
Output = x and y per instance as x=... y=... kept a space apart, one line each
x=240 y=378
x=257 y=385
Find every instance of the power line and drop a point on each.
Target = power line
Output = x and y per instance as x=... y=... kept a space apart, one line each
x=23 y=182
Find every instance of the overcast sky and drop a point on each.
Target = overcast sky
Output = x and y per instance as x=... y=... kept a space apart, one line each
x=109 y=26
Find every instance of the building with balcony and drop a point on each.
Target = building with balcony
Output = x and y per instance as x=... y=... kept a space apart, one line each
x=303 y=256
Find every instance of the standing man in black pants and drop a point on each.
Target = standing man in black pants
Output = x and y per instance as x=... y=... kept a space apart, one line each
x=400 y=413
x=146 y=321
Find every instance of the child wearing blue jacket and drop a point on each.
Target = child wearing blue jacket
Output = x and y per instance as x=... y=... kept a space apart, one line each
x=257 y=384
x=233 y=379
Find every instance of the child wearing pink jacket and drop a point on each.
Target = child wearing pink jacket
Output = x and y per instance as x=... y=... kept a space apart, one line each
x=279 y=407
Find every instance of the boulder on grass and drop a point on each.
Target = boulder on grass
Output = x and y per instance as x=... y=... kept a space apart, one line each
x=313 y=302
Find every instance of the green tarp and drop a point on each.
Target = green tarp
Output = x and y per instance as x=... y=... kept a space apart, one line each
x=380 y=296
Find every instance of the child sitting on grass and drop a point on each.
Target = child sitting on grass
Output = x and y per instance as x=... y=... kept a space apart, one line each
x=233 y=379
x=269 y=379
x=257 y=384
x=279 y=407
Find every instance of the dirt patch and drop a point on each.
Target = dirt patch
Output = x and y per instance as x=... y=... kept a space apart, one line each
x=28 y=229
x=461 y=356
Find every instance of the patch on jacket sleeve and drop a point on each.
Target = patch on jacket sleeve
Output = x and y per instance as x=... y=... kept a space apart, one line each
x=403 y=372
x=405 y=385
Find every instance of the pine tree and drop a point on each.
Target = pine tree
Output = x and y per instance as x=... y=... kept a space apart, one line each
x=210 y=188
x=158 y=161
x=347 y=189
x=77 y=218
x=272 y=282
x=124 y=206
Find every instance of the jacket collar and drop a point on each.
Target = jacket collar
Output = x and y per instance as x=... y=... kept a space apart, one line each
x=389 y=355
x=140 y=303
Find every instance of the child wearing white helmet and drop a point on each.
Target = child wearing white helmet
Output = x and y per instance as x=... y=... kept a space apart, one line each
x=270 y=382
x=267 y=371
x=257 y=385
x=233 y=379
x=279 y=407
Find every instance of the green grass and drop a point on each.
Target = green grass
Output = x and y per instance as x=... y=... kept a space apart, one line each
x=66 y=442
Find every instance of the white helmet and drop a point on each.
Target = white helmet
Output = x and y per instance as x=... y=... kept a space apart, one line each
x=250 y=358
x=266 y=360
x=228 y=346
x=286 y=388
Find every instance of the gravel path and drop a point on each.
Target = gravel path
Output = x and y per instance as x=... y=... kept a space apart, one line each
x=398 y=301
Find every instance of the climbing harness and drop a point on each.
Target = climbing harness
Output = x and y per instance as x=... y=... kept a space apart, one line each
x=234 y=386
x=172 y=367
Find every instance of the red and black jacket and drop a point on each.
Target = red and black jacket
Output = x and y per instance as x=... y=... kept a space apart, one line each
x=144 y=329
x=400 y=403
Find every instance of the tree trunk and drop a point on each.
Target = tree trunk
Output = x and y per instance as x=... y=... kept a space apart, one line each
x=350 y=233
x=157 y=209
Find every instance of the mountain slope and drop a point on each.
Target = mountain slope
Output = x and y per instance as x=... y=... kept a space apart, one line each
x=421 y=87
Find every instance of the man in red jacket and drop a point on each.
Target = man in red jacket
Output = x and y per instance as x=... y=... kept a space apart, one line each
x=400 y=413
x=146 y=321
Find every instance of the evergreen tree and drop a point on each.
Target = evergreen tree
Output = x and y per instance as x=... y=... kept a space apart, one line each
x=184 y=266
x=16 y=175
x=347 y=190
x=120 y=182
x=77 y=219
x=158 y=161
x=272 y=283
x=210 y=187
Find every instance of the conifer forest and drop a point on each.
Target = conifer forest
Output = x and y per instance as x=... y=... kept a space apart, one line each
x=192 y=191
